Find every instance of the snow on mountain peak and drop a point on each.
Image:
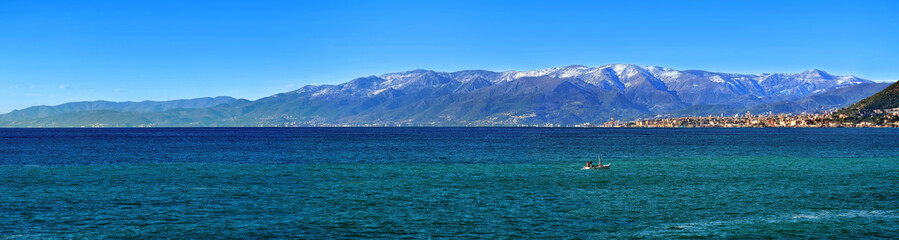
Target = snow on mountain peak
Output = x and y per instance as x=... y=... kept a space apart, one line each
x=628 y=70
x=664 y=73
x=618 y=68
x=815 y=73
x=571 y=71
x=717 y=79
x=611 y=76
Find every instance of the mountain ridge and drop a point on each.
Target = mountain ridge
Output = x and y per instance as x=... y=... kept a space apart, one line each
x=888 y=98
x=127 y=106
x=565 y=95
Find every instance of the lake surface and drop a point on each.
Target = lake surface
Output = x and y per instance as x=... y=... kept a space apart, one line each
x=448 y=183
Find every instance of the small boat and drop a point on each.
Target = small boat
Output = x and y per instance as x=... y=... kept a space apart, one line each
x=598 y=165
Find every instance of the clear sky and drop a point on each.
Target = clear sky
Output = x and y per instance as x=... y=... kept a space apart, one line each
x=52 y=52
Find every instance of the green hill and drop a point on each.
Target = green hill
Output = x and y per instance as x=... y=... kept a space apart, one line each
x=886 y=99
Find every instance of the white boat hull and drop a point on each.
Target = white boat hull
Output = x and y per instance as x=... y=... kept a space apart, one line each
x=598 y=167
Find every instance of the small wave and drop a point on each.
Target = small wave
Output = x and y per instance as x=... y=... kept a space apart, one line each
x=836 y=215
x=884 y=214
x=23 y=236
x=707 y=228
x=804 y=216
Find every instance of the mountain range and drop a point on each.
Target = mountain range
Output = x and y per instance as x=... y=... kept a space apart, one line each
x=562 y=95
x=144 y=106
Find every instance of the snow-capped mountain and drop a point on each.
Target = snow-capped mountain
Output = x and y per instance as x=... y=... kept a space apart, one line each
x=562 y=95
x=622 y=76
x=691 y=87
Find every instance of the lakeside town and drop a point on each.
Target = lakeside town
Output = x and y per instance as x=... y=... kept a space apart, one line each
x=881 y=118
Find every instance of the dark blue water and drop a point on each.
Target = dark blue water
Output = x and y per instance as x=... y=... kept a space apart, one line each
x=448 y=183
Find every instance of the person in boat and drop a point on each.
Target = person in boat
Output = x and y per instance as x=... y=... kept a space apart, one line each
x=589 y=164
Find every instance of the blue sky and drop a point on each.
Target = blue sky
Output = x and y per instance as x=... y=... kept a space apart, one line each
x=52 y=52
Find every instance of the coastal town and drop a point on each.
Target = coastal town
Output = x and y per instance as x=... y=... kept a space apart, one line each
x=881 y=118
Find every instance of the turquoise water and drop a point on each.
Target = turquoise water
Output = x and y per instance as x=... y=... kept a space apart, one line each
x=448 y=183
